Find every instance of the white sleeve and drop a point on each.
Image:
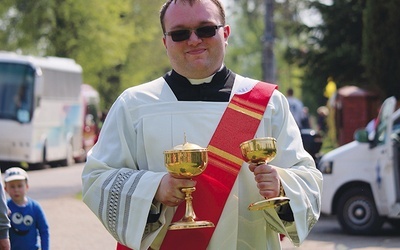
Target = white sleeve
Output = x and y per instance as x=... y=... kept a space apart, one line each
x=114 y=188
x=300 y=178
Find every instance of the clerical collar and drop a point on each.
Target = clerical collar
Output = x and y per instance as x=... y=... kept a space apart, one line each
x=201 y=81
x=204 y=80
x=218 y=90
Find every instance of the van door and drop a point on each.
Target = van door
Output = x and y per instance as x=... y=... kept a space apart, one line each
x=395 y=136
x=384 y=185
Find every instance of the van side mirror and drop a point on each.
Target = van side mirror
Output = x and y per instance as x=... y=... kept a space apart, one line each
x=361 y=135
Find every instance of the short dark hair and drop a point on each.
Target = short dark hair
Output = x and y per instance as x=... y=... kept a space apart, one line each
x=191 y=2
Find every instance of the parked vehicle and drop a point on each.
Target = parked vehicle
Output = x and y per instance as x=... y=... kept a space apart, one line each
x=40 y=110
x=312 y=142
x=361 y=178
x=91 y=119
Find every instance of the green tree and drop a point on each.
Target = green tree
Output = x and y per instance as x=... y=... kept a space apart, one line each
x=381 y=49
x=23 y=24
x=245 y=49
x=289 y=33
x=247 y=20
x=116 y=42
x=331 y=49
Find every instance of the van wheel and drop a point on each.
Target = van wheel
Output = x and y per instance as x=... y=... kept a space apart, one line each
x=357 y=212
x=395 y=223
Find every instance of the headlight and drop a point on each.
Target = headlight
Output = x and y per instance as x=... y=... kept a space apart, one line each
x=325 y=167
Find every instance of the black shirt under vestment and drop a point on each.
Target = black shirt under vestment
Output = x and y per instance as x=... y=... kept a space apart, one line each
x=218 y=90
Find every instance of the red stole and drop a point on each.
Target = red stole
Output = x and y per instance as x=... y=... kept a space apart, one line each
x=239 y=123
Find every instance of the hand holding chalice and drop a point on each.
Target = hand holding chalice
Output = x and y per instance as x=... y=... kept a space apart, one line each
x=261 y=151
x=187 y=161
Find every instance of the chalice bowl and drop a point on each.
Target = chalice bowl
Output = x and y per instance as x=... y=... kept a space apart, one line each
x=187 y=161
x=261 y=151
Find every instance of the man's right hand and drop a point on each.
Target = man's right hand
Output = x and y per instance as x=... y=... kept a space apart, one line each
x=169 y=192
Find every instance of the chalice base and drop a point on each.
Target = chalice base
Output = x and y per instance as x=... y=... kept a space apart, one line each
x=190 y=224
x=189 y=221
x=268 y=203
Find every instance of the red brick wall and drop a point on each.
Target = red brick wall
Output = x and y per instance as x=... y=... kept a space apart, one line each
x=354 y=109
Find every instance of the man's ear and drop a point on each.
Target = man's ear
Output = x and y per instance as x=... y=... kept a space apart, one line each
x=227 y=32
x=164 y=41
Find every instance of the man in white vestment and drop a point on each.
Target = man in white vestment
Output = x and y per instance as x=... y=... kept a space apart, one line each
x=125 y=182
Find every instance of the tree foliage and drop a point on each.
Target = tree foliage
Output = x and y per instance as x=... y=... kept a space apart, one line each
x=331 y=49
x=289 y=33
x=356 y=44
x=116 y=42
x=245 y=50
x=381 y=49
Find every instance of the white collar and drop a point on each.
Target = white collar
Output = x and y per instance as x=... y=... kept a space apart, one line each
x=204 y=80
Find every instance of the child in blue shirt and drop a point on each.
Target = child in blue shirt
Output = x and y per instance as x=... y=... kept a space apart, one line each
x=26 y=215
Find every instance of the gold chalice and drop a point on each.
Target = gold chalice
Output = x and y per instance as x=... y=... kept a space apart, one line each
x=187 y=161
x=261 y=151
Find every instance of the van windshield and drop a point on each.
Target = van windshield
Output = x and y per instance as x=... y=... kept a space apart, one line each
x=16 y=91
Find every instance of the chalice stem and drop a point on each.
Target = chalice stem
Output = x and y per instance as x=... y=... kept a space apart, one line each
x=190 y=216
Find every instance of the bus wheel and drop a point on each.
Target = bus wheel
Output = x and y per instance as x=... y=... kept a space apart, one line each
x=42 y=164
x=357 y=212
x=69 y=160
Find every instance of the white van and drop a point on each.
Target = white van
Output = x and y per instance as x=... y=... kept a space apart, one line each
x=361 y=178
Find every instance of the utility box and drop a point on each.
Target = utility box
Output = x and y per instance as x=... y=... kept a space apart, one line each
x=354 y=108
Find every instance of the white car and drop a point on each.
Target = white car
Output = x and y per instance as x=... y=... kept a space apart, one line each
x=362 y=178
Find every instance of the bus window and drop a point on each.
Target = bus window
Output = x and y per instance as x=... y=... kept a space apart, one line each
x=16 y=92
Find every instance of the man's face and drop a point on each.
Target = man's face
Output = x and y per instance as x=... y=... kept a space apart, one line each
x=195 y=57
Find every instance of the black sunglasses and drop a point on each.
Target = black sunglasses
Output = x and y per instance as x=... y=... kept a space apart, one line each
x=202 y=32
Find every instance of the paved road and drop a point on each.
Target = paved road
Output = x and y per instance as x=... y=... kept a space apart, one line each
x=73 y=226
x=327 y=235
